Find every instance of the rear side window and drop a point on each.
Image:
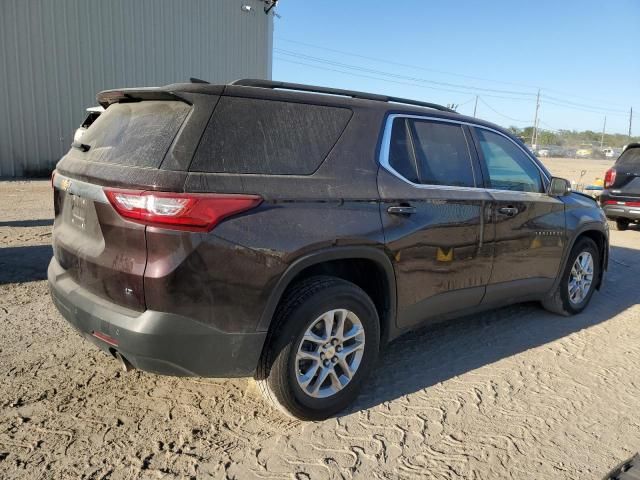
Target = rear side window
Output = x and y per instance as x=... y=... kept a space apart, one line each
x=136 y=134
x=629 y=160
x=268 y=137
x=431 y=153
x=401 y=157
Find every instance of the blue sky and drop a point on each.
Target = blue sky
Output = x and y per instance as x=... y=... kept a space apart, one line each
x=584 y=55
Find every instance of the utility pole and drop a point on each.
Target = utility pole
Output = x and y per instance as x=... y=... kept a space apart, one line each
x=475 y=107
x=630 y=120
x=603 y=129
x=534 y=137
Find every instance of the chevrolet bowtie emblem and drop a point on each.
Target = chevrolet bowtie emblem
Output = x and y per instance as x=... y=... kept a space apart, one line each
x=444 y=255
x=65 y=184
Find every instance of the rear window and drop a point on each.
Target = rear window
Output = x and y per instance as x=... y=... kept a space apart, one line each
x=136 y=134
x=268 y=137
x=630 y=159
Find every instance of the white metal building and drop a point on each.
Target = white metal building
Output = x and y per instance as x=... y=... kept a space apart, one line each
x=55 y=55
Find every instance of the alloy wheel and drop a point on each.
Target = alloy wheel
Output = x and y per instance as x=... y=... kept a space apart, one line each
x=329 y=353
x=580 y=278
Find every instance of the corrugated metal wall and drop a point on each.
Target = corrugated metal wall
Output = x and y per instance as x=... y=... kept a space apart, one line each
x=55 y=55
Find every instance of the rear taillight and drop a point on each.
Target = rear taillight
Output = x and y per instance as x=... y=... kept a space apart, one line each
x=610 y=178
x=181 y=211
x=622 y=203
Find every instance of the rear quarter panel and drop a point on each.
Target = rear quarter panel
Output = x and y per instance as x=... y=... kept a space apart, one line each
x=225 y=278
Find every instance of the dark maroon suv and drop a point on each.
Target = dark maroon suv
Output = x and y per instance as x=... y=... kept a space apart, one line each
x=288 y=232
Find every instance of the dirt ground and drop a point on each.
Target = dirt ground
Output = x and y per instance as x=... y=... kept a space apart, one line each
x=515 y=393
x=571 y=168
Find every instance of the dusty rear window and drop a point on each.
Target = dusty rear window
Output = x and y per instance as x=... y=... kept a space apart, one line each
x=630 y=159
x=136 y=134
x=268 y=137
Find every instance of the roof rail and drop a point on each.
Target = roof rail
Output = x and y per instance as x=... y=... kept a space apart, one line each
x=251 y=82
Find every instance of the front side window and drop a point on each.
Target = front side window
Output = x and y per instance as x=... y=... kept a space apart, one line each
x=508 y=166
x=431 y=153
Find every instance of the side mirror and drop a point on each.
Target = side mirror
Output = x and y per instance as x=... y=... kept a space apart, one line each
x=559 y=187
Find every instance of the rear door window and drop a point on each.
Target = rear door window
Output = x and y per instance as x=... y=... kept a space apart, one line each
x=269 y=137
x=629 y=161
x=442 y=154
x=136 y=134
x=431 y=153
x=508 y=166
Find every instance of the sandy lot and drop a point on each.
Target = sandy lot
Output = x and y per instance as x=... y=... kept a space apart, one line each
x=571 y=168
x=514 y=393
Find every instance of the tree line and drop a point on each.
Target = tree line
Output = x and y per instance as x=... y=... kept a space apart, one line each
x=573 y=138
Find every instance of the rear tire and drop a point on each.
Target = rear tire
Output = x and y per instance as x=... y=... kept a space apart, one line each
x=565 y=299
x=290 y=371
x=620 y=224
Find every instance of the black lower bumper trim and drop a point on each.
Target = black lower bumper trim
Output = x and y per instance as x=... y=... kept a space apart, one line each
x=157 y=342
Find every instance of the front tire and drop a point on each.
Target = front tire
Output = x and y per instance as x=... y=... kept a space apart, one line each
x=324 y=344
x=578 y=281
x=620 y=224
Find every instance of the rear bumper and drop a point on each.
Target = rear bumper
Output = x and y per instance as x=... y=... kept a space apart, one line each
x=157 y=342
x=622 y=211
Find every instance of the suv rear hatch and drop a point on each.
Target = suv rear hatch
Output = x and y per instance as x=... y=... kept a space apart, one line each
x=125 y=147
x=623 y=180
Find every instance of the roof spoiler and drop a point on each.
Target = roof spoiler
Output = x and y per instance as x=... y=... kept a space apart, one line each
x=108 y=97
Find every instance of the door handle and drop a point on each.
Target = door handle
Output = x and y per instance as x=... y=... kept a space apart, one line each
x=402 y=210
x=508 y=211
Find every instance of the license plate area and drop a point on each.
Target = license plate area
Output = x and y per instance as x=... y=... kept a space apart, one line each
x=78 y=211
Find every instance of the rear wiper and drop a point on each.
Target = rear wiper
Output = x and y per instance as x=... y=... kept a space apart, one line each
x=83 y=147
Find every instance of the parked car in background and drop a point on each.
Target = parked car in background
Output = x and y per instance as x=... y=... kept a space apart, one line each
x=584 y=152
x=609 y=152
x=543 y=152
x=569 y=152
x=557 y=151
x=92 y=115
x=288 y=232
x=620 y=198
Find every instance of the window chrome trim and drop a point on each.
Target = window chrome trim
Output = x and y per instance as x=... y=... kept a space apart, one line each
x=386 y=146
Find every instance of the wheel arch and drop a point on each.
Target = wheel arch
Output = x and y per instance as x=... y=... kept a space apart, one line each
x=336 y=262
x=597 y=232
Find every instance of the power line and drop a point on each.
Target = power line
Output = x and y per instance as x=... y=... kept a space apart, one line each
x=502 y=114
x=395 y=75
x=549 y=127
x=319 y=67
x=581 y=104
x=399 y=64
x=390 y=62
x=514 y=95
x=580 y=109
x=374 y=74
x=468 y=101
x=567 y=94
